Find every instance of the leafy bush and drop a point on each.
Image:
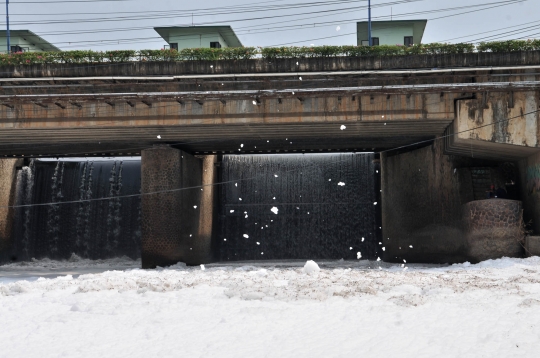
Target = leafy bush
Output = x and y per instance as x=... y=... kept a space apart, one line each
x=238 y=53
x=509 y=46
x=269 y=53
x=158 y=55
x=116 y=56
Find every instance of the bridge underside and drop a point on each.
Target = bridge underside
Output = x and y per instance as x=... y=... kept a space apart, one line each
x=274 y=112
x=232 y=138
x=330 y=123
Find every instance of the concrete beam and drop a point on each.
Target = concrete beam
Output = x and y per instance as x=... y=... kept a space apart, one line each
x=501 y=125
x=176 y=214
x=8 y=182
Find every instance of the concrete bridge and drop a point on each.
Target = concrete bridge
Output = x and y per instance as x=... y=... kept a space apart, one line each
x=485 y=106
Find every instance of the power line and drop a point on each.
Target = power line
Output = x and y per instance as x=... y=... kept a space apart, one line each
x=247 y=29
x=436 y=18
x=68 y=1
x=208 y=11
x=157 y=38
x=487 y=32
x=145 y=17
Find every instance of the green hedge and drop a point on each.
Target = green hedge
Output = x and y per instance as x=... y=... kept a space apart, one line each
x=246 y=53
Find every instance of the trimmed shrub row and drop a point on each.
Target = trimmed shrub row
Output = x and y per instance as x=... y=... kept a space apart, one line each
x=245 y=53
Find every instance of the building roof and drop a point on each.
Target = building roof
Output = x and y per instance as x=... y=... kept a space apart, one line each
x=419 y=26
x=225 y=31
x=31 y=37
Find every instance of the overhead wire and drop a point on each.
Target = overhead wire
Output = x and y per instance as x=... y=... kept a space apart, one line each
x=109 y=42
x=145 y=16
x=436 y=18
x=263 y=28
x=158 y=39
x=243 y=29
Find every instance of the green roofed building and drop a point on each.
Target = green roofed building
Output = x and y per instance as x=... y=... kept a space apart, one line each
x=401 y=32
x=24 y=41
x=199 y=37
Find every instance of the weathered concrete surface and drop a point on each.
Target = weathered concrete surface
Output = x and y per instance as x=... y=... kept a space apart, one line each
x=423 y=192
x=529 y=170
x=496 y=126
x=421 y=207
x=229 y=102
x=532 y=245
x=8 y=175
x=493 y=229
x=208 y=203
x=173 y=227
x=276 y=65
x=313 y=123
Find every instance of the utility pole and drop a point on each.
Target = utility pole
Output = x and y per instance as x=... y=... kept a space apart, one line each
x=369 y=23
x=7 y=22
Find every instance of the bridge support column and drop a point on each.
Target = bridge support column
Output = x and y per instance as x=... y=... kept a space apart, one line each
x=8 y=182
x=422 y=207
x=176 y=224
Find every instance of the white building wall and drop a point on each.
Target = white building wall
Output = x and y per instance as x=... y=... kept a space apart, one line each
x=16 y=40
x=196 y=40
x=392 y=36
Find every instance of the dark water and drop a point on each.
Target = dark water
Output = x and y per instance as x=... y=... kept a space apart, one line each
x=317 y=218
x=98 y=229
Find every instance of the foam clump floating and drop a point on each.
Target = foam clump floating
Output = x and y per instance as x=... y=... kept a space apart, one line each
x=311 y=267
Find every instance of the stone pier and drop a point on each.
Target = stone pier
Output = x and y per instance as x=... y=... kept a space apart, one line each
x=177 y=216
x=493 y=229
x=8 y=175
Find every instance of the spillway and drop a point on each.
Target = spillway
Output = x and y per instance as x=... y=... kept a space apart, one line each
x=324 y=207
x=294 y=206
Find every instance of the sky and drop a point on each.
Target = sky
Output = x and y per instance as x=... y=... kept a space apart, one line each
x=128 y=24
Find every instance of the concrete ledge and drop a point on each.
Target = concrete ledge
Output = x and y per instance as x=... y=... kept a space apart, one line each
x=464 y=60
x=532 y=245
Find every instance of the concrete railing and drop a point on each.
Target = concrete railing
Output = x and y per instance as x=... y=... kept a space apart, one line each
x=520 y=58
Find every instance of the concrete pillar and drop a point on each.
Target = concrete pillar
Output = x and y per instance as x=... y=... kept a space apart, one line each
x=421 y=207
x=493 y=229
x=176 y=224
x=203 y=245
x=8 y=182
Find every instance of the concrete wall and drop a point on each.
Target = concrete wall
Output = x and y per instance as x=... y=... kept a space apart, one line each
x=529 y=170
x=176 y=224
x=7 y=197
x=422 y=206
x=497 y=125
x=528 y=58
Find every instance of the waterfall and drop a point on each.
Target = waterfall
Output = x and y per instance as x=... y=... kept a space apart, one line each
x=28 y=177
x=87 y=209
x=80 y=212
x=83 y=212
x=53 y=217
x=292 y=207
x=114 y=209
x=91 y=229
x=325 y=207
